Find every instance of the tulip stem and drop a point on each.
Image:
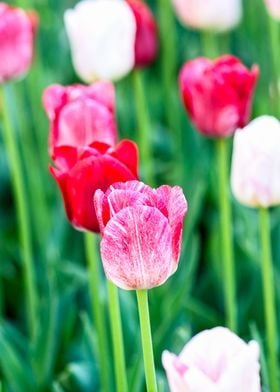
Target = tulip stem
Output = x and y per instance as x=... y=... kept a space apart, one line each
x=269 y=298
x=274 y=36
x=146 y=336
x=226 y=235
x=98 y=308
x=144 y=126
x=21 y=208
x=117 y=337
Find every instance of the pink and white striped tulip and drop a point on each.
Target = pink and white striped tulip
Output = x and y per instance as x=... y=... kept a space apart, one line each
x=216 y=15
x=255 y=173
x=17 y=30
x=101 y=34
x=215 y=360
x=80 y=115
x=141 y=232
x=273 y=7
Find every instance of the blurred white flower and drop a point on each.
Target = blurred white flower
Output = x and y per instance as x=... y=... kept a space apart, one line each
x=102 y=37
x=273 y=7
x=255 y=175
x=216 y=15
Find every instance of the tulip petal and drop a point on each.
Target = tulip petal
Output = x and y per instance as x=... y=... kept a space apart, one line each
x=136 y=248
x=126 y=152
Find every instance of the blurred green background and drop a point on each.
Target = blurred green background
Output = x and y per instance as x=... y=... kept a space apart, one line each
x=63 y=357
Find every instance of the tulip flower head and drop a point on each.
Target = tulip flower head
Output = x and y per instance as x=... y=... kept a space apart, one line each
x=17 y=30
x=215 y=15
x=108 y=38
x=141 y=232
x=80 y=115
x=215 y=360
x=255 y=173
x=218 y=94
x=79 y=172
x=273 y=7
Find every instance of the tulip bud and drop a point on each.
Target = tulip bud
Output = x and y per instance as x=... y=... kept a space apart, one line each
x=217 y=94
x=146 y=40
x=17 y=29
x=255 y=173
x=141 y=232
x=273 y=7
x=79 y=172
x=80 y=115
x=215 y=15
x=215 y=360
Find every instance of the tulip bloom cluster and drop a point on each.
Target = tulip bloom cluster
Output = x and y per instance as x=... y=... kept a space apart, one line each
x=82 y=145
x=109 y=38
x=17 y=31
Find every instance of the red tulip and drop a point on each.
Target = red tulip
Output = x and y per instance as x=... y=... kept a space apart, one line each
x=17 y=30
x=81 y=171
x=80 y=115
x=146 y=40
x=218 y=94
x=141 y=232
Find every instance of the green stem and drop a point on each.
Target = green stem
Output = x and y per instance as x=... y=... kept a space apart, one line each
x=98 y=308
x=210 y=44
x=170 y=89
x=21 y=208
x=269 y=298
x=226 y=235
x=117 y=337
x=146 y=336
x=144 y=127
x=274 y=36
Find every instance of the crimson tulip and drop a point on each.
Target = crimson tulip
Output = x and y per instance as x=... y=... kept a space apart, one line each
x=218 y=94
x=141 y=232
x=80 y=171
x=17 y=32
x=80 y=115
x=146 y=40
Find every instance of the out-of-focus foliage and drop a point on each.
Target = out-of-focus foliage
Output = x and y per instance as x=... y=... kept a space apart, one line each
x=63 y=356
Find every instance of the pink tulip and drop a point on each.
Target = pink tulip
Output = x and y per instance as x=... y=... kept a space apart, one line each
x=81 y=115
x=17 y=30
x=141 y=232
x=215 y=360
x=218 y=94
x=273 y=7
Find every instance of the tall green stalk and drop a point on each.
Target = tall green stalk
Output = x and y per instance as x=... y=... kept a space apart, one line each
x=146 y=336
x=144 y=127
x=98 y=313
x=269 y=299
x=21 y=208
x=274 y=37
x=226 y=235
x=117 y=337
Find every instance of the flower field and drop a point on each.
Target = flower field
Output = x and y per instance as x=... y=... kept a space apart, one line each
x=139 y=195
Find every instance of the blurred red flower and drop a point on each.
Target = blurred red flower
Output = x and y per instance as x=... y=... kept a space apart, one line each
x=79 y=172
x=218 y=94
x=146 y=40
x=80 y=115
x=17 y=31
x=141 y=232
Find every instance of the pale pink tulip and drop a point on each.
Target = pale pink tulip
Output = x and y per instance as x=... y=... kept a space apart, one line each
x=17 y=29
x=216 y=15
x=141 y=232
x=255 y=173
x=215 y=360
x=80 y=115
x=273 y=7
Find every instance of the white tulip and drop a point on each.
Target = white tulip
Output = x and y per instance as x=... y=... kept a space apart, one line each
x=216 y=15
x=255 y=176
x=102 y=37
